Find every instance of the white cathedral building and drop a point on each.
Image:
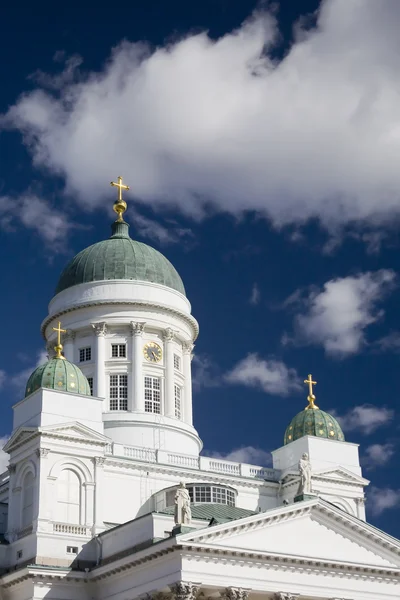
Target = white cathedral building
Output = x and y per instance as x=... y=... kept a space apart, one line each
x=107 y=496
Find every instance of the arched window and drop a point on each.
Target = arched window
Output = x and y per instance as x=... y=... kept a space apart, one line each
x=68 y=497
x=27 y=500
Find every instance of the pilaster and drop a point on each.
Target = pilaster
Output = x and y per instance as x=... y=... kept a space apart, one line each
x=98 y=494
x=100 y=330
x=168 y=336
x=187 y=349
x=137 y=395
x=68 y=343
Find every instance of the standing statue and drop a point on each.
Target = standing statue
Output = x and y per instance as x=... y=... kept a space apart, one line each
x=183 y=513
x=305 y=475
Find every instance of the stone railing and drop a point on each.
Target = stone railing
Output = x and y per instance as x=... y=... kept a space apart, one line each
x=202 y=463
x=68 y=529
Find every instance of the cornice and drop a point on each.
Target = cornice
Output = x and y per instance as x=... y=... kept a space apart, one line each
x=142 y=305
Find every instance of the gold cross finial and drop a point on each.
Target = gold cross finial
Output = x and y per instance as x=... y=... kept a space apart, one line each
x=59 y=347
x=311 y=396
x=120 y=204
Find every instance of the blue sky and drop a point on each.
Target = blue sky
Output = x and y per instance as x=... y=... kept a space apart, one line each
x=261 y=144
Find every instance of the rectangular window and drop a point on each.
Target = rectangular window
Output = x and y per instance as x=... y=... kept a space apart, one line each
x=72 y=549
x=118 y=392
x=19 y=554
x=118 y=350
x=90 y=382
x=177 y=362
x=178 y=394
x=85 y=354
x=152 y=395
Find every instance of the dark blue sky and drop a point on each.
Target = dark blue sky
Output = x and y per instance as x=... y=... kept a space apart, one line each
x=240 y=263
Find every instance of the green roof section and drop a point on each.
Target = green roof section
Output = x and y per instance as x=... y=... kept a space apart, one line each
x=221 y=513
x=58 y=374
x=120 y=257
x=316 y=422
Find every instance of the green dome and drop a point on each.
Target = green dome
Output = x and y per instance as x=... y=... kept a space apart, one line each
x=313 y=421
x=58 y=374
x=120 y=257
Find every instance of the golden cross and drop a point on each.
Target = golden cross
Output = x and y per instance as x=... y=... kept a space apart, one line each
x=310 y=384
x=59 y=347
x=120 y=187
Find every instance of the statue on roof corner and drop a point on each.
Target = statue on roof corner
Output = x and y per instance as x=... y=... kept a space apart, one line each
x=183 y=513
x=305 y=475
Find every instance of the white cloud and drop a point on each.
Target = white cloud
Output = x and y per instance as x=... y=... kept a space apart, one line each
x=380 y=500
x=378 y=455
x=365 y=418
x=390 y=342
x=164 y=234
x=4 y=457
x=3 y=377
x=20 y=379
x=205 y=372
x=37 y=214
x=316 y=134
x=245 y=454
x=336 y=316
x=271 y=376
x=255 y=295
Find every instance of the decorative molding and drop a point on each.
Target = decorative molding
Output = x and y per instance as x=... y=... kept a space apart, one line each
x=42 y=452
x=232 y=593
x=137 y=328
x=168 y=334
x=137 y=305
x=69 y=335
x=184 y=591
x=12 y=468
x=100 y=329
x=99 y=461
x=187 y=347
x=285 y=596
x=360 y=501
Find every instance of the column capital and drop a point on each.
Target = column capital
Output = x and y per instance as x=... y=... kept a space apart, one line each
x=12 y=468
x=286 y=596
x=232 y=593
x=360 y=501
x=187 y=347
x=42 y=452
x=69 y=335
x=100 y=329
x=184 y=591
x=168 y=334
x=99 y=461
x=137 y=328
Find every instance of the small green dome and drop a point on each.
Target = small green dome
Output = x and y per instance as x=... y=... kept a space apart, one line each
x=120 y=257
x=313 y=421
x=58 y=374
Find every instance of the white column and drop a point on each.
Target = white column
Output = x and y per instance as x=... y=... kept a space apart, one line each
x=40 y=508
x=100 y=330
x=137 y=402
x=169 y=406
x=187 y=348
x=89 y=508
x=98 y=494
x=68 y=343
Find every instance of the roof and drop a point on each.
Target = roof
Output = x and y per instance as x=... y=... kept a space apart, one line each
x=58 y=374
x=316 y=422
x=221 y=513
x=120 y=257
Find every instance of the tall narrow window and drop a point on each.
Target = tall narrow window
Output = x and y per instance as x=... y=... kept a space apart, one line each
x=90 y=382
x=27 y=505
x=177 y=362
x=68 y=497
x=118 y=350
x=85 y=354
x=178 y=395
x=118 y=392
x=152 y=395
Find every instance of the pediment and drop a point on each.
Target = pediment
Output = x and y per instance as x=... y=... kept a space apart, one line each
x=312 y=530
x=340 y=475
x=20 y=436
x=75 y=431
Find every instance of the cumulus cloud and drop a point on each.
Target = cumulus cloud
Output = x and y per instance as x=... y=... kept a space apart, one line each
x=272 y=376
x=255 y=295
x=365 y=418
x=245 y=454
x=380 y=500
x=36 y=213
x=205 y=372
x=336 y=316
x=378 y=455
x=199 y=121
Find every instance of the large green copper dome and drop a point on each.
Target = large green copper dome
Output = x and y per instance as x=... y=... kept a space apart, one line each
x=313 y=421
x=120 y=257
x=58 y=374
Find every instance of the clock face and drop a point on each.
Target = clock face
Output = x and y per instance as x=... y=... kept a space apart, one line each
x=152 y=352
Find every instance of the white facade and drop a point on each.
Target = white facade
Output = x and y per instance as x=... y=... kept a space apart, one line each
x=86 y=505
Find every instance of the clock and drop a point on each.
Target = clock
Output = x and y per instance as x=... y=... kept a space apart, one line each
x=152 y=352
